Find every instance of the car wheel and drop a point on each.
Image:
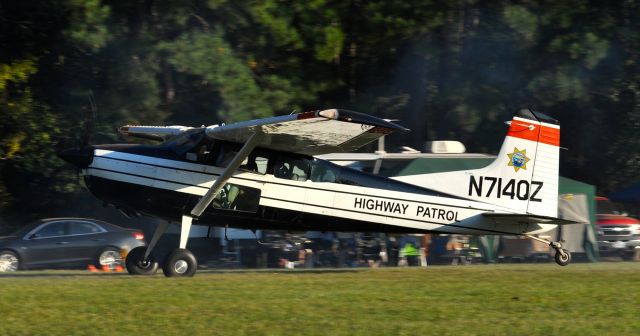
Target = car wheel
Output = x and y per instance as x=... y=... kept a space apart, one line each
x=137 y=265
x=109 y=257
x=180 y=263
x=9 y=261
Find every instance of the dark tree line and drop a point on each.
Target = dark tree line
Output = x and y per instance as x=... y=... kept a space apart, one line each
x=446 y=69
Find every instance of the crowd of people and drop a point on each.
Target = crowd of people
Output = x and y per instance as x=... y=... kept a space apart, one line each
x=364 y=249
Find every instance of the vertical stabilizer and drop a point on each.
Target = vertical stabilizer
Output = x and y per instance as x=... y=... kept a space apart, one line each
x=522 y=178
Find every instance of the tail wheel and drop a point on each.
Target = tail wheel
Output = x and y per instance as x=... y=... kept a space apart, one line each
x=138 y=265
x=563 y=257
x=180 y=263
x=9 y=261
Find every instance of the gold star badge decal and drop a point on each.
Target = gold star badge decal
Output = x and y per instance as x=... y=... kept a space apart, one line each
x=518 y=159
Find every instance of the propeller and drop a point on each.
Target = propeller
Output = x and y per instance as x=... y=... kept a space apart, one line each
x=81 y=155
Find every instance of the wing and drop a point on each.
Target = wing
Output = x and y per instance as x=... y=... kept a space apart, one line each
x=310 y=133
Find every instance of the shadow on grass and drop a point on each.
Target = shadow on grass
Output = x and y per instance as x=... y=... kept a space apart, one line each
x=82 y=273
x=281 y=270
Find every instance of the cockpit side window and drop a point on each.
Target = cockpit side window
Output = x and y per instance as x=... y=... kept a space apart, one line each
x=257 y=162
x=296 y=169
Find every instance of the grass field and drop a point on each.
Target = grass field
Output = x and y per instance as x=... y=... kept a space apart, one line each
x=536 y=299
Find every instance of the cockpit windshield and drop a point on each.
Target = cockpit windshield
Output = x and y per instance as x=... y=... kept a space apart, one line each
x=185 y=142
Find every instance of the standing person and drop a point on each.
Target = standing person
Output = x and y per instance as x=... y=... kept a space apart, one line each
x=424 y=249
x=409 y=252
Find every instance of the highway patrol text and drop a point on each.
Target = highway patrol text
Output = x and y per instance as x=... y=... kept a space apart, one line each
x=422 y=210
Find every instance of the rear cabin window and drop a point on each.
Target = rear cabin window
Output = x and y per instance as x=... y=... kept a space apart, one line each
x=324 y=171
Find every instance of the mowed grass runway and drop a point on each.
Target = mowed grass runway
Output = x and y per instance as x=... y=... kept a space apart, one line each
x=523 y=299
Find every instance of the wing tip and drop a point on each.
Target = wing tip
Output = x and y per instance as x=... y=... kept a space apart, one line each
x=362 y=118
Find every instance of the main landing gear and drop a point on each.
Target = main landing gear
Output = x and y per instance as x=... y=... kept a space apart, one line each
x=179 y=263
x=562 y=257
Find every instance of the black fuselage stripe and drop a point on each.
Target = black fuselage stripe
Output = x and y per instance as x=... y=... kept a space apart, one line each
x=158 y=166
x=149 y=178
x=276 y=183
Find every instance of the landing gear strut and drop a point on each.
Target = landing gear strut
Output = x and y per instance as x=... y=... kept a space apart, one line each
x=180 y=263
x=562 y=257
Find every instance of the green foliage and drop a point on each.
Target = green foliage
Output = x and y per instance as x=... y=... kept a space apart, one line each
x=331 y=48
x=449 y=69
x=28 y=163
x=88 y=29
x=522 y=20
x=208 y=56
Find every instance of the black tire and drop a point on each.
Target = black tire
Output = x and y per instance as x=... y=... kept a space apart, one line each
x=110 y=257
x=137 y=266
x=627 y=256
x=563 y=260
x=180 y=263
x=9 y=261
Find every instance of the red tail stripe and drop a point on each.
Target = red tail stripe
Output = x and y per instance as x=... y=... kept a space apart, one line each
x=550 y=136
x=524 y=130
x=540 y=133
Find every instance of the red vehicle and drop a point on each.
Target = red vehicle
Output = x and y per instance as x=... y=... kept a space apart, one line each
x=618 y=234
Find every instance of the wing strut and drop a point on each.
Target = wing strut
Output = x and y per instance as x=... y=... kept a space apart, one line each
x=220 y=182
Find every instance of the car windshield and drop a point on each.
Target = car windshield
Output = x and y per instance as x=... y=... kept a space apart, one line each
x=606 y=207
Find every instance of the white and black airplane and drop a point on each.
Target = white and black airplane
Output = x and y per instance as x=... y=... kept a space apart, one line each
x=262 y=174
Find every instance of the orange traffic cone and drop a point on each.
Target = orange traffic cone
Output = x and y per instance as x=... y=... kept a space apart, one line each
x=92 y=268
x=106 y=268
x=119 y=268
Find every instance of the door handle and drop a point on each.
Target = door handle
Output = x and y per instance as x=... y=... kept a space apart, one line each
x=62 y=243
x=96 y=239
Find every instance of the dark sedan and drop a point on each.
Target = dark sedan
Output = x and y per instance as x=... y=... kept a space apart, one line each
x=67 y=243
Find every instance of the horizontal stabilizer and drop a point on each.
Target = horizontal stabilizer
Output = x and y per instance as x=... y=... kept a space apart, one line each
x=505 y=218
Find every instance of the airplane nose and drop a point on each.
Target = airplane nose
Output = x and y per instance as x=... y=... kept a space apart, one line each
x=79 y=157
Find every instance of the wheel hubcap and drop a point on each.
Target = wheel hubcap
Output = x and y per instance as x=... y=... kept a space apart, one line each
x=144 y=263
x=181 y=266
x=8 y=263
x=110 y=258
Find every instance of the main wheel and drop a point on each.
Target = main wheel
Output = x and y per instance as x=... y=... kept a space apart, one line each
x=110 y=257
x=137 y=265
x=9 y=261
x=563 y=259
x=180 y=263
